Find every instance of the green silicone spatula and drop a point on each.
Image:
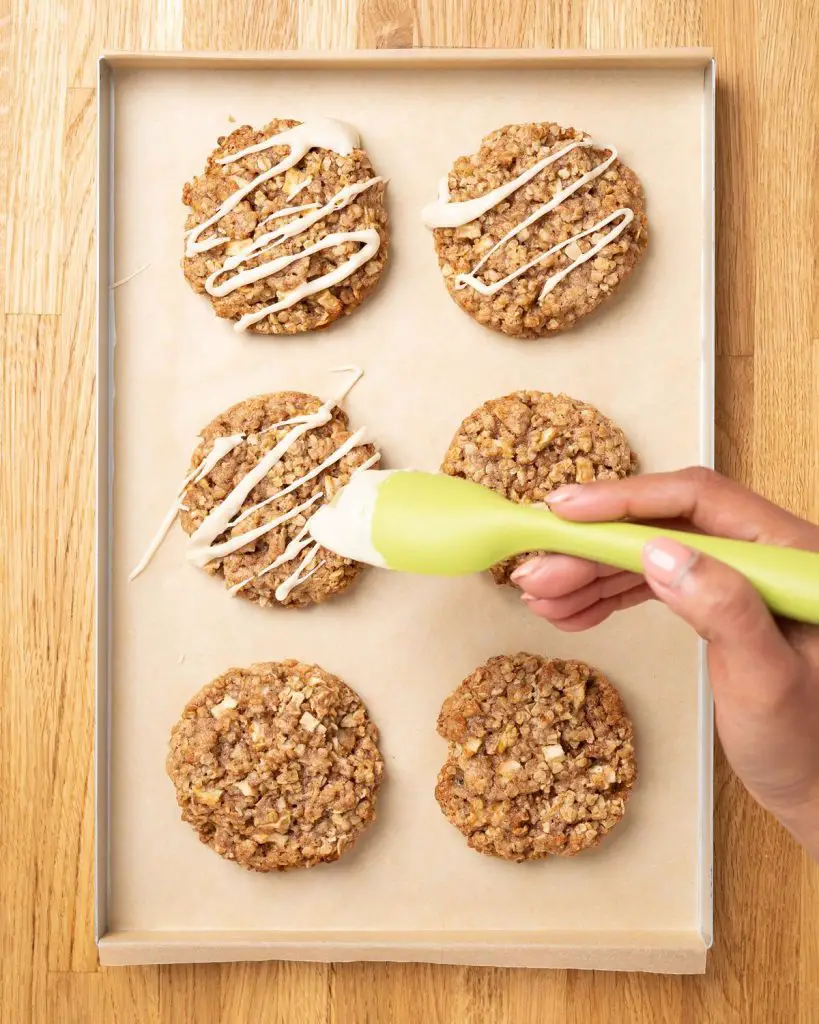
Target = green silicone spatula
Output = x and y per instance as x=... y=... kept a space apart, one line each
x=439 y=525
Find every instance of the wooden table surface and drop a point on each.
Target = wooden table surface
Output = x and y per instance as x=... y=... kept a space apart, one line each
x=765 y=962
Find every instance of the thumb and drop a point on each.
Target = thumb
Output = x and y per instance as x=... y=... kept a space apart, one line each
x=724 y=608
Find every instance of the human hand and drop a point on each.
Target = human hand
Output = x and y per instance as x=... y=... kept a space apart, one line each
x=764 y=672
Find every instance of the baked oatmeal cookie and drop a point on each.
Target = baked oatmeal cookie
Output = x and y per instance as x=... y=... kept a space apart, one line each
x=563 y=232
x=527 y=444
x=275 y=566
x=276 y=766
x=314 y=234
x=540 y=759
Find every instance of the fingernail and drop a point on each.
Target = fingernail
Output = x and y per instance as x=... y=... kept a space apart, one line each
x=528 y=598
x=668 y=562
x=528 y=569
x=563 y=494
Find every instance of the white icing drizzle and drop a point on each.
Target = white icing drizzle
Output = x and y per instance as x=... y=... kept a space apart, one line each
x=299 y=576
x=200 y=556
x=353 y=441
x=272 y=239
x=297 y=188
x=291 y=551
x=490 y=289
x=371 y=242
x=373 y=459
x=202 y=546
x=287 y=212
x=321 y=133
x=221 y=447
x=443 y=213
x=299 y=542
x=318 y=133
x=130 y=277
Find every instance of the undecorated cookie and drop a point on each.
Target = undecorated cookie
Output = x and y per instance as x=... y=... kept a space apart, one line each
x=526 y=444
x=276 y=766
x=540 y=759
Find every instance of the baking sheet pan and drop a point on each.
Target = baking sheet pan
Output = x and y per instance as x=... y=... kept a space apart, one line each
x=411 y=889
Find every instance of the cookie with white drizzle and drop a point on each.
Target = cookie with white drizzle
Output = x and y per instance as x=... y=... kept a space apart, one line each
x=287 y=229
x=259 y=472
x=537 y=228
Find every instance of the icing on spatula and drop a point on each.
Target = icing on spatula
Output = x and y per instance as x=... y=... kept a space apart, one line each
x=442 y=526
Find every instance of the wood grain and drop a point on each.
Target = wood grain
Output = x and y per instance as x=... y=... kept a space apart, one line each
x=36 y=116
x=765 y=963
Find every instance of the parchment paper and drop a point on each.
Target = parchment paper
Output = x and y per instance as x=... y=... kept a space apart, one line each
x=402 y=642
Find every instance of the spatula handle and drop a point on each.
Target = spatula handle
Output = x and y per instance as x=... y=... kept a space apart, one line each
x=787 y=578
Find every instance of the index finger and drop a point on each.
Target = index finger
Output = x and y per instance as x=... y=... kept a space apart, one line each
x=711 y=502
